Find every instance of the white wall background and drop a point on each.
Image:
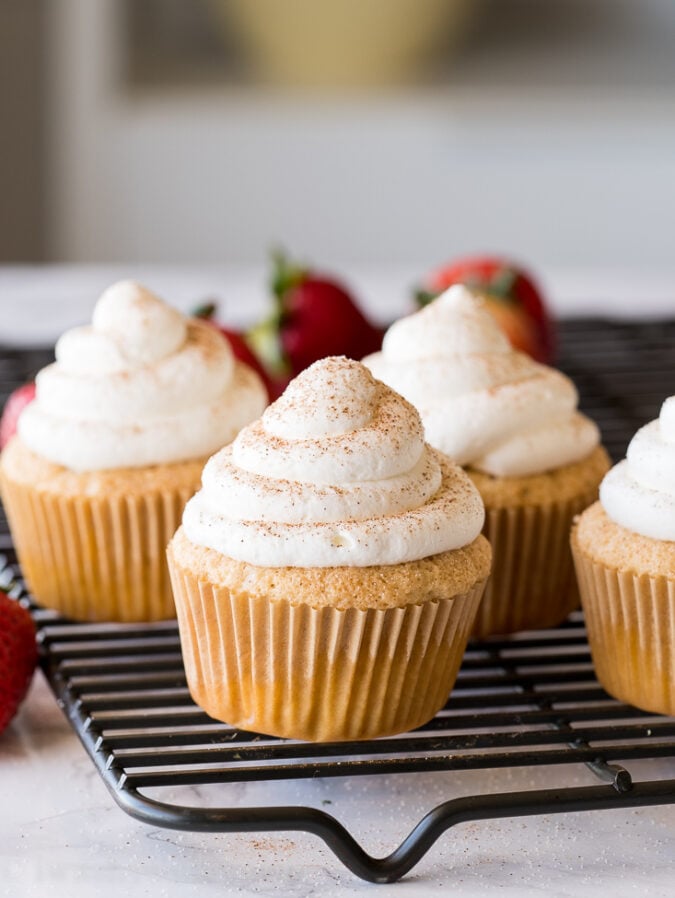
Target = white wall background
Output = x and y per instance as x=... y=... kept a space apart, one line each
x=565 y=161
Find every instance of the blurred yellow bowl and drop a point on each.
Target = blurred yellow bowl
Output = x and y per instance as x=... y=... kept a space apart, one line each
x=342 y=43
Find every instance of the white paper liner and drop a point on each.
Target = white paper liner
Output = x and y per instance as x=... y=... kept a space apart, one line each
x=319 y=674
x=532 y=584
x=630 y=620
x=96 y=558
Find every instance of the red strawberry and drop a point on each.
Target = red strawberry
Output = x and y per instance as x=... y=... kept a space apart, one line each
x=242 y=351
x=15 y=404
x=512 y=297
x=18 y=656
x=315 y=316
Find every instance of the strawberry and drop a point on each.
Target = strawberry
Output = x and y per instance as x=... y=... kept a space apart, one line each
x=15 y=404
x=18 y=656
x=512 y=297
x=241 y=349
x=314 y=317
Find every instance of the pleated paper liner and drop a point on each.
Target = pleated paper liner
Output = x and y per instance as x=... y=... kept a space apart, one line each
x=100 y=557
x=532 y=584
x=630 y=620
x=320 y=674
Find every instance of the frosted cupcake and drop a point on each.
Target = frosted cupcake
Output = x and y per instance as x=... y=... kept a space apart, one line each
x=328 y=572
x=95 y=482
x=514 y=425
x=624 y=551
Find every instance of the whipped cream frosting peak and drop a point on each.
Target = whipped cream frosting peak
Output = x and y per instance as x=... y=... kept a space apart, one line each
x=333 y=397
x=482 y=403
x=639 y=492
x=141 y=385
x=457 y=322
x=130 y=327
x=335 y=473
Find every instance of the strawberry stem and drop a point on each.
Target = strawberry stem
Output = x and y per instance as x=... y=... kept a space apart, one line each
x=206 y=310
x=265 y=341
x=424 y=297
x=502 y=283
x=265 y=337
x=285 y=275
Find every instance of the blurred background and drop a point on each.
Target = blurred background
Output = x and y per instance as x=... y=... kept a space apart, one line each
x=363 y=135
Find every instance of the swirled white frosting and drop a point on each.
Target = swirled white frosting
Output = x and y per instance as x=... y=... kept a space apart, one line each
x=335 y=473
x=482 y=403
x=142 y=385
x=639 y=492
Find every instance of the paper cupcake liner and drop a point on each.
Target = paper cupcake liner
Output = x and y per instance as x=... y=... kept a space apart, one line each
x=532 y=585
x=630 y=620
x=319 y=674
x=96 y=558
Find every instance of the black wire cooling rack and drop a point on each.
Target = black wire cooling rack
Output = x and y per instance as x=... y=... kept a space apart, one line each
x=530 y=700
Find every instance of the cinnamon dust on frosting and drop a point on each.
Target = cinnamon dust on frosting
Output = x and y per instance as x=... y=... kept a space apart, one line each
x=482 y=403
x=142 y=385
x=335 y=473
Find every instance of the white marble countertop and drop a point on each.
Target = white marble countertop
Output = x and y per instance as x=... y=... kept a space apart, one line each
x=37 y=303
x=62 y=834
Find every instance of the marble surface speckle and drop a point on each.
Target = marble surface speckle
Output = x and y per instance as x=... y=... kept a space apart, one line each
x=62 y=834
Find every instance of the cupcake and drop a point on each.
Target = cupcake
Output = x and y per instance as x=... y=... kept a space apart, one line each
x=624 y=552
x=328 y=572
x=514 y=425
x=106 y=456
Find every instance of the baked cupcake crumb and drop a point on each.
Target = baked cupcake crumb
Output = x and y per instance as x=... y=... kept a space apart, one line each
x=560 y=484
x=378 y=586
x=612 y=545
